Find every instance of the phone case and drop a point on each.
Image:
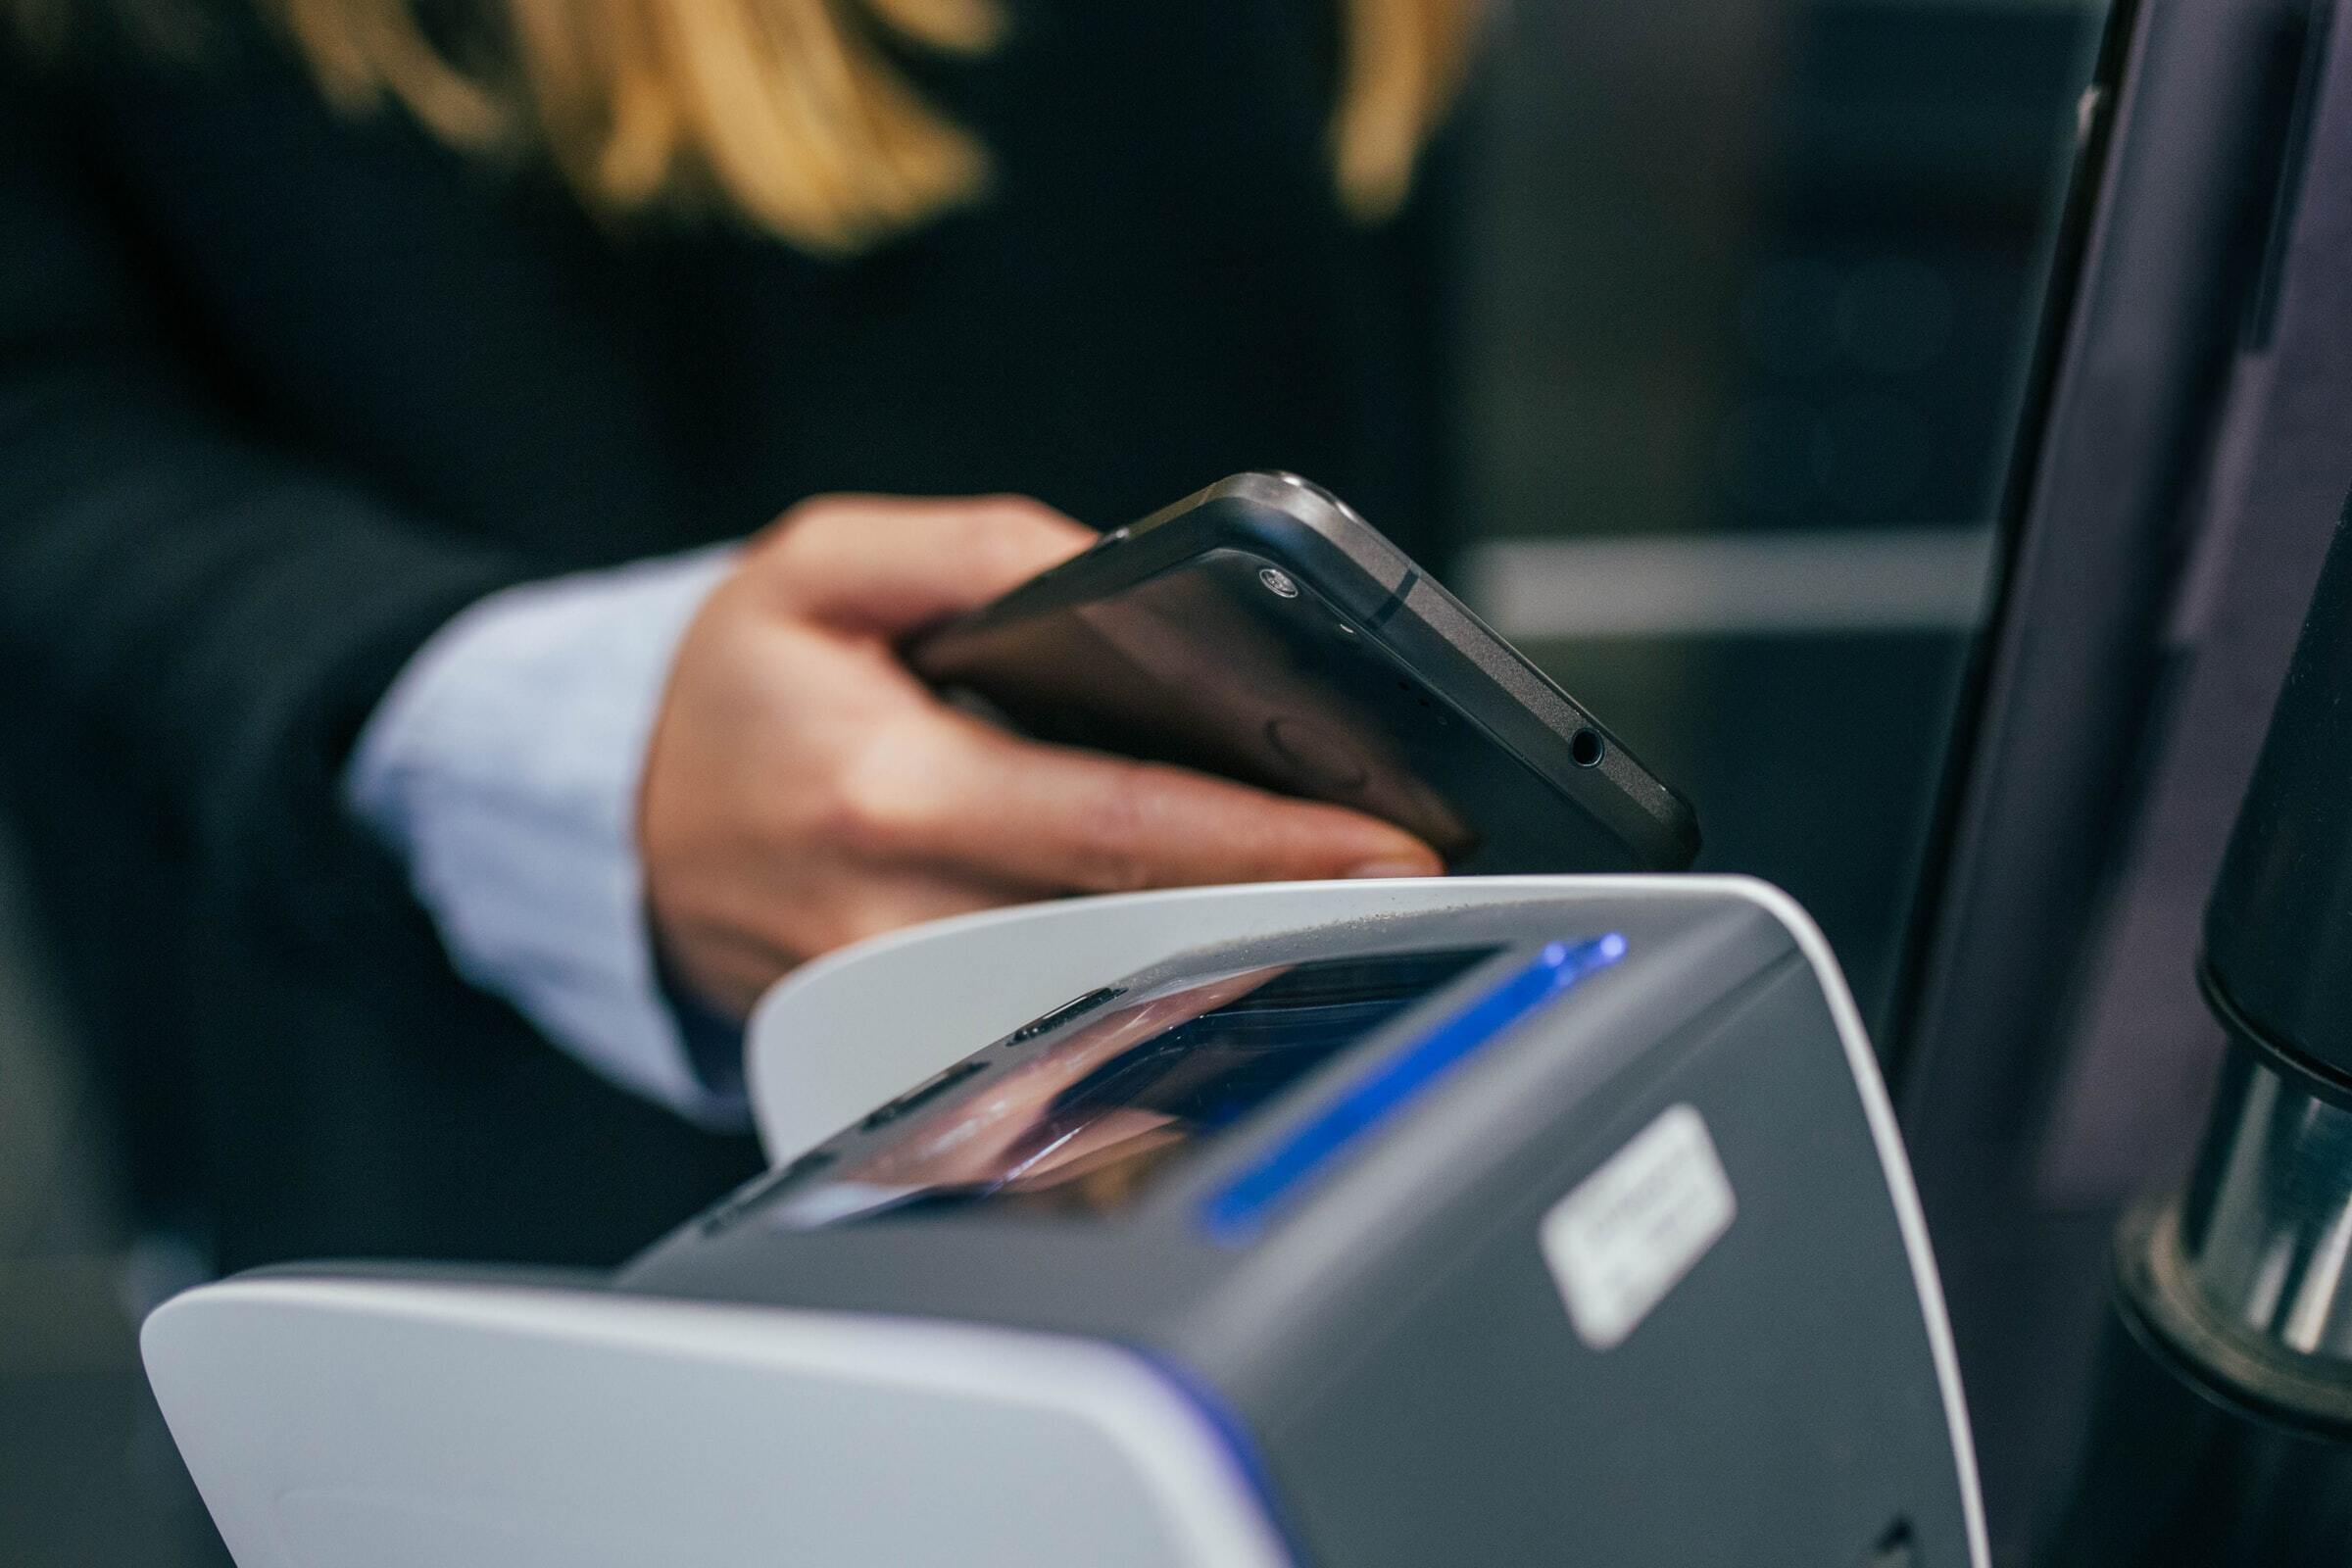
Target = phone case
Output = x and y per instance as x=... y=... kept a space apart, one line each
x=1264 y=630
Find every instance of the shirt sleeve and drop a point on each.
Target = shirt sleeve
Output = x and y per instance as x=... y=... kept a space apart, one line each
x=503 y=768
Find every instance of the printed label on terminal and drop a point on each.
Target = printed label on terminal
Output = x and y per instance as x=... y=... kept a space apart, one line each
x=1627 y=1233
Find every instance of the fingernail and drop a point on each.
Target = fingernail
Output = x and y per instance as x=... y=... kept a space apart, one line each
x=1373 y=868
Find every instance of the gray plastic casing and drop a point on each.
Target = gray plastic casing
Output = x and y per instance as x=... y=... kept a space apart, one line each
x=1394 y=1345
x=1390 y=1372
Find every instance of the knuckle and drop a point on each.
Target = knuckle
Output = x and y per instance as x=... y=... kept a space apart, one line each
x=1114 y=855
x=807 y=527
x=789 y=530
x=1015 y=526
x=810 y=511
x=886 y=796
x=1019 y=512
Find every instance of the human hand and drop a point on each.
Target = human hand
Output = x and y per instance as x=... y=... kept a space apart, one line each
x=802 y=790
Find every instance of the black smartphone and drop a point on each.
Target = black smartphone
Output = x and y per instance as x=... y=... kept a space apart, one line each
x=1262 y=631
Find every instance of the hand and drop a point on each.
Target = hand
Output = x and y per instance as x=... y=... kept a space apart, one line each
x=802 y=790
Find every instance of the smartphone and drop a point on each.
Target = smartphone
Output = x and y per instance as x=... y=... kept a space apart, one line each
x=1262 y=631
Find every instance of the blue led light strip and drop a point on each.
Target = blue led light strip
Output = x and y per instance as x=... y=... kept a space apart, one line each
x=1236 y=1211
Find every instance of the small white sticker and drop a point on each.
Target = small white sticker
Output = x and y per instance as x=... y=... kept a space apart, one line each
x=1629 y=1232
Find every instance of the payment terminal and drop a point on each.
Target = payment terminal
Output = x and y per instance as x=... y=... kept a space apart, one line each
x=1502 y=1220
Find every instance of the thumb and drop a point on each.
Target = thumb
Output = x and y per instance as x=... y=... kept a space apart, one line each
x=887 y=565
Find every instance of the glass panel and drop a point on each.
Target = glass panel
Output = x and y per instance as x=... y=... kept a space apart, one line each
x=1086 y=1123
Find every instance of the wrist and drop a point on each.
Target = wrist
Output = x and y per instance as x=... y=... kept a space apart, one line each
x=504 y=768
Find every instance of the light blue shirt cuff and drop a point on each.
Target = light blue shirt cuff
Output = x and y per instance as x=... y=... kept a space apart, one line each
x=502 y=766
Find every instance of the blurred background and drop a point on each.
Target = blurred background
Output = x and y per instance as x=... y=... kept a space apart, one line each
x=1746 y=290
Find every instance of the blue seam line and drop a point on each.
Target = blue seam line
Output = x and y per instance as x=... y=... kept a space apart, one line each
x=1226 y=1428
x=1237 y=1211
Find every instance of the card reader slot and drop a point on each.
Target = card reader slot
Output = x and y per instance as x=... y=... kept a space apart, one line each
x=929 y=1089
x=1047 y=1023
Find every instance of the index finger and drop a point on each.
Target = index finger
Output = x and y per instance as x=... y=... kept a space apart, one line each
x=888 y=565
x=1096 y=823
